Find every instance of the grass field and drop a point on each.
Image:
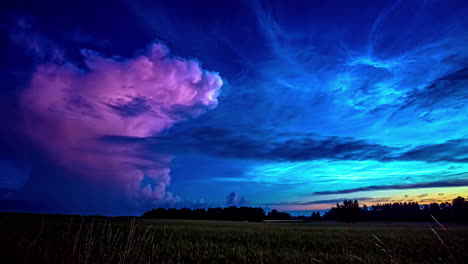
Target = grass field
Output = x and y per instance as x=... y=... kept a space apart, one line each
x=65 y=239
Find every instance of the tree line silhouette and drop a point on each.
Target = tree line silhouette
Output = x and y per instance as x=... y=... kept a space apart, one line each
x=348 y=211
x=232 y=213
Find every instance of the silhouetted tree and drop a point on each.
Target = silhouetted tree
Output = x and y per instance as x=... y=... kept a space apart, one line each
x=349 y=211
x=315 y=216
x=460 y=209
x=276 y=215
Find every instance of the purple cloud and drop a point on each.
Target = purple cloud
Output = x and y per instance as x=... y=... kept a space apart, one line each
x=66 y=109
x=234 y=199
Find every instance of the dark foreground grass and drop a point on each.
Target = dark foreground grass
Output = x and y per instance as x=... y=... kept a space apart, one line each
x=64 y=239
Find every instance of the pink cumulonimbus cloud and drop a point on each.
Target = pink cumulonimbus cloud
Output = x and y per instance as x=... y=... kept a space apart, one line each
x=67 y=108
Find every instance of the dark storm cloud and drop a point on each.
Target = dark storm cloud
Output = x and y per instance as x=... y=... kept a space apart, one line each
x=451 y=150
x=436 y=184
x=266 y=145
x=450 y=89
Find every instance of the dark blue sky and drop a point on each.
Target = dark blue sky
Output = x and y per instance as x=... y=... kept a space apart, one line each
x=118 y=107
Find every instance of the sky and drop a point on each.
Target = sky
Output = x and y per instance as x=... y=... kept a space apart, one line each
x=118 y=107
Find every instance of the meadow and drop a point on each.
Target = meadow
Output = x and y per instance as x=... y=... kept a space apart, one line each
x=26 y=238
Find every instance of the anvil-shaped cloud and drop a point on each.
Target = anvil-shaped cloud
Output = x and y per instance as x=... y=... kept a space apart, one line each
x=67 y=107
